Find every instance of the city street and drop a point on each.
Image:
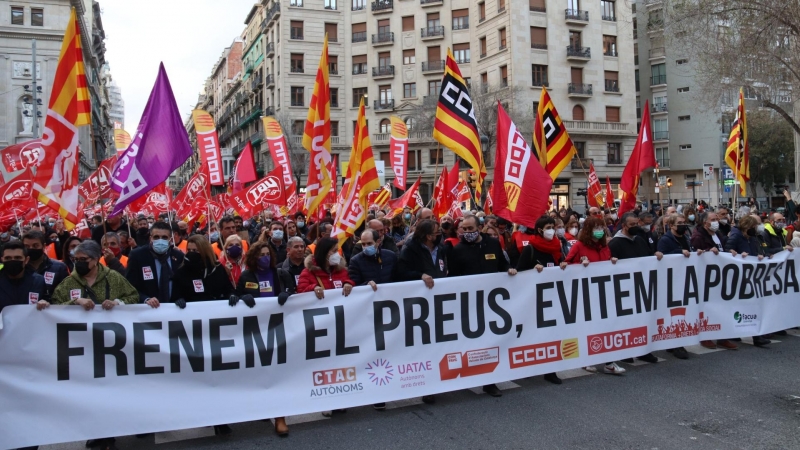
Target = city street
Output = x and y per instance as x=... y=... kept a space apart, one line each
x=744 y=399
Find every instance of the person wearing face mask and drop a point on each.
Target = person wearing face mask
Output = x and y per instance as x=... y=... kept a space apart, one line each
x=646 y=231
x=675 y=240
x=232 y=258
x=561 y=235
x=399 y=230
x=142 y=233
x=53 y=271
x=385 y=244
x=691 y=219
x=275 y=238
x=477 y=254
x=724 y=217
x=292 y=230
x=151 y=267
x=227 y=229
x=543 y=250
x=774 y=234
x=260 y=277
x=373 y=265
x=200 y=277
x=325 y=270
x=424 y=257
x=112 y=253
x=706 y=235
x=19 y=284
x=52 y=249
x=69 y=252
x=302 y=225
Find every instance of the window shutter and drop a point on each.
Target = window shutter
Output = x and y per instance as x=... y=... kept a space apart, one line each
x=408 y=23
x=612 y=114
x=539 y=35
x=360 y=27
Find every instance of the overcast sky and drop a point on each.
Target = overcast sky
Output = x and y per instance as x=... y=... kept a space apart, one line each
x=187 y=35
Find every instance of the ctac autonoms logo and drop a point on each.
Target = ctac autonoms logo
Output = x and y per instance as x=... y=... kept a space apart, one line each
x=380 y=372
x=617 y=340
x=546 y=352
x=335 y=382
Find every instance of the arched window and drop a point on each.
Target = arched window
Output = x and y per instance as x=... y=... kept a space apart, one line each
x=386 y=126
x=577 y=113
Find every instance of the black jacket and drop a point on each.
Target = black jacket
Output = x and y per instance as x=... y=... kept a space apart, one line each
x=623 y=247
x=142 y=237
x=280 y=251
x=388 y=244
x=289 y=274
x=702 y=240
x=142 y=260
x=670 y=244
x=209 y=284
x=740 y=243
x=100 y=230
x=415 y=260
x=774 y=239
x=485 y=256
x=26 y=291
x=363 y=269
x=53 y=272
x=248 y=284
x=531 y=257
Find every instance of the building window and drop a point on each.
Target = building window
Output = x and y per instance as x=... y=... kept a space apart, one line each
x=296 y=29
x=501 y=6
x=607 y=10
x=296 y=63
x=681 y=62
x=355 y=127
x=384 y=27
x=333 y=64
x=360 y=32
x=662 y=156
x=614 y=153
x=683 y=89
x=461 y=53
x=610 y=45
x=359 y=64
x=334 y=97
x=334 y=127
x=384 y=60
x=434 y=87
x=612 y=81
x=37 y=17
x=502 y=37
x=17 y=15
x=580 y=149
x=409 y=90
x=481 y=11
x=435 y=157
x=298 y=97
x=685 y=147
x=359 y=5
x=385 y=95
x=578 y=113
x=684 y=118
x=612 y=113
x=636 y=79
x=460 y=19
x=433 y=22
x=298 y=3
x=483 y=47
x=539 y=37
x=358 y=94
x=414 y=160
x=332 y=30
x=409 y=57
x=330 y=4
x=385 y=126
x=297 y=127
x=408 y=23
x=659 y=74
x=504 y=76
x=410 y=123
x=660 y=130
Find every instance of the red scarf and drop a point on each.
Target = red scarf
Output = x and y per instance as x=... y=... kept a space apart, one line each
x=553 y=246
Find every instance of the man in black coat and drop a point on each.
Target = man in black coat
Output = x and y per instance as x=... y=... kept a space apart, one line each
x=150 y=268
x=289 y=272
x=114 y=223
x=423 y=257
x=386 y=244
x=706 y=236
x=476 y=254
x=373 y=265
x=53 y=271
x=19 y=285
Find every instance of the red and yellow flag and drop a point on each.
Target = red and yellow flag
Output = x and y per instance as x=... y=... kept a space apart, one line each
x=56 y=181
x=455 y=126
x=737 y=155
x=317 y=136
x=553 y=147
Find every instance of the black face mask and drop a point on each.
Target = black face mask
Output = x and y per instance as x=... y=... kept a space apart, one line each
x=35 y=253
x=634 y=230
x=193 y=261
x=446 y=226
x=751 y=232
x=13 y=268
x=682 y=229
x=82 y=267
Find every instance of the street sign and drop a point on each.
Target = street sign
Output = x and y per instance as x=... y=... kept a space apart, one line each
x=658 y=190
x=708 y=171
x=662 y=180
x=727 y=173
x=729 y=182
x=727 y=188
x=381 y=169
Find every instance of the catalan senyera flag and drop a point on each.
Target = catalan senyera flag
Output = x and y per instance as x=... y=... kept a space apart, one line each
x=455 y=126
x=56 y=181
x=380 y=198
x=551 y=142
x=317 y=136
x=121 y=140
x=737 y=155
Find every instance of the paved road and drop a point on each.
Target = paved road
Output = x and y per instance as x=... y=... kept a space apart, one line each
x=744 y=399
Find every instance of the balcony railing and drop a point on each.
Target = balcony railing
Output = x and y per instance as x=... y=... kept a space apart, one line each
x=577 y=163
x=462 y=25
x=579 y=52
x=270 y=80
x=273 y=12
x=383 y=105
x=433 y=66
x=382 y=5
x=612 y=86
x=462 y=59
x=660 y=135
x=296 y=69
x=430 y=2
x=383 y=38
x=658 y=79
x=576 y=14
x=383 y=71
x=610 y=52
x=430 y=32
x=360 y=36
x=659 y=107
x=614 y=159
x=255 y=83
x=296 y=33
x=358 y=6
x=579 y=89
x=270 y=49
x=269 y=111
x=359 y=69
x=610 y=18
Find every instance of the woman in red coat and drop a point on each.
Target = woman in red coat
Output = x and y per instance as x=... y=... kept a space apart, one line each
x=592 y=246
x=325 y=270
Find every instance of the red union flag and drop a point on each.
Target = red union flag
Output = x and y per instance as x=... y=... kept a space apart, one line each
x=266 y=191
x=208 y=145
x=595 y=190
x=517 y=170
x=97 y=186
x=196 y=187
x=398 y=153
x=441 y=195
x=19 y=156
x=18 y=188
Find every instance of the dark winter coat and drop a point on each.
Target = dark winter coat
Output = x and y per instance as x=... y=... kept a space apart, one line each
x=378 y=268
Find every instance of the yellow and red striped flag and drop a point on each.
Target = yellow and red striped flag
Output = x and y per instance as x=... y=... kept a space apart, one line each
x=551 y=142
x=737 y=155
x=56 y=181
x=317 y=136
x=455 y=126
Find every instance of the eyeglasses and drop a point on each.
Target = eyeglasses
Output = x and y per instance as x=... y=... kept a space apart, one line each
x=161 y=238
x=83 y=259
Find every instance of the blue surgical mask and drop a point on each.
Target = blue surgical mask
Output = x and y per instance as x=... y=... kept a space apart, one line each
x=370 y=250
x=691 y=217
x=407 y=216
x=522 y=228
x=301 y=224
x=277 y=235
x=214 y=237
x=160 y=246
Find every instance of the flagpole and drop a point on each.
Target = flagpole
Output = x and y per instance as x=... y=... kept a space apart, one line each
x=436 y=171
x=580 y=162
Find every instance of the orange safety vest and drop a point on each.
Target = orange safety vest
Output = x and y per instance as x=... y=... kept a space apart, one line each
x=122 y=259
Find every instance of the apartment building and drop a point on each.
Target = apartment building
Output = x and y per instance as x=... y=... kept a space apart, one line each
x=392 y=52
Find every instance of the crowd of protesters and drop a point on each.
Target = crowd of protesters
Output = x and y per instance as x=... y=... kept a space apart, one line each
x=155 y=261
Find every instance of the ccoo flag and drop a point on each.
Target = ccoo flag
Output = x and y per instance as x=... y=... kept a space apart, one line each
x=317 y=137
x=208 y=145
x=551 y=142
x=398 y=155
x=642 y=158
x=521 y=184
x=737 y=155
x=56 y=181
x=160 y=146
x=455 y=126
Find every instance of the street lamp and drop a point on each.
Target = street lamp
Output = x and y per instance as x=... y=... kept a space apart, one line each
x=669 y=189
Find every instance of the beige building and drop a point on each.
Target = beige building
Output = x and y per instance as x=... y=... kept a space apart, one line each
x=392 y=53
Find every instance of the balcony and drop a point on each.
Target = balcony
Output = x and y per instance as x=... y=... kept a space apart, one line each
x=660 y=136
x=658 y=80
x=663 y=163
x=576 y=16
x=657 y=52
x=360 y=69
x=269 y=111
x=579 y=90
x=578 y=53
x=383 y=38
x=433 y=66
x=427 y=3
x=578 y=163
x=255 y=83
x=612 y=86
x=610 y=52
x=383 y=72
x=270 y=80
x=360 y=36
x=270 y=51
x=659 y=108
x=432 y=33
x=385 y=105
x=296 y=69
x=382 y=6
x=273 y=12
x=254 y=114
x=609 y=18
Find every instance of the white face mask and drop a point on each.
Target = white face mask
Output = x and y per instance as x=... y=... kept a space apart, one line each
x=760 y=228
x=645 y=228
x=573 y=231
x=723 y=221
x=560 y=232
x=614 y=216
x=548 y=234
x=714 y=226
x=334 y=259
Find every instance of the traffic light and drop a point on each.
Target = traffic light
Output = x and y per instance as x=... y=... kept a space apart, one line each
x=669 y=182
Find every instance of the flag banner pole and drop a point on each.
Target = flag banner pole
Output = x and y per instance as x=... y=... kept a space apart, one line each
x=436 y=170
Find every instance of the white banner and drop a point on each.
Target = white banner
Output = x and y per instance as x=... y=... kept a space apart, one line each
x=136 y=370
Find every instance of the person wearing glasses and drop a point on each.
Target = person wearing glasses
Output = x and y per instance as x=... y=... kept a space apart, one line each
x=150 y=267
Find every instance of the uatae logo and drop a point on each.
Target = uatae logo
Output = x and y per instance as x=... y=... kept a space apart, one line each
x=380 y=371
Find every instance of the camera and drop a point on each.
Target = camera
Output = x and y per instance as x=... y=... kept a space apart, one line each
x=779 y=188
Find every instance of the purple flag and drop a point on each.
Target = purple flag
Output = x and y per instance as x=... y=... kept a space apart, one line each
x=160 y=146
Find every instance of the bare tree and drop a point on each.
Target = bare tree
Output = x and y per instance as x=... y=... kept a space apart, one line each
x=484 y=101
